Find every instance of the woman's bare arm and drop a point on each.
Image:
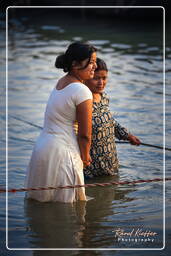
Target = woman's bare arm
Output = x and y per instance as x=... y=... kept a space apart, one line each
x=84 y=119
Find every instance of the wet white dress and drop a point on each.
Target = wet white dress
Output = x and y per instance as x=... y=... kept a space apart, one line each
x=55 y=159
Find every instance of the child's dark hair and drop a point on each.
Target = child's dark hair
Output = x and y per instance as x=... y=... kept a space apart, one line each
x=76 y=52
x=101 y=65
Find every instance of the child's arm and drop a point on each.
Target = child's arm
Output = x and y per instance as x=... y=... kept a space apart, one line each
x=121 y=133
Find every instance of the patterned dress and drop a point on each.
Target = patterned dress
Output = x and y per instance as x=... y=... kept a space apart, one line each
x=103 y=148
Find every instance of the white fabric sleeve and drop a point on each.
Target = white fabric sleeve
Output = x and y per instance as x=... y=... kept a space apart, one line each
x=82 y=93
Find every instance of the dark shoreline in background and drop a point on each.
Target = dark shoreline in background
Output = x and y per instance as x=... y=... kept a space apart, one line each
x=105 y=17
x=108 y=13
x=144 y=14
x=57 y=26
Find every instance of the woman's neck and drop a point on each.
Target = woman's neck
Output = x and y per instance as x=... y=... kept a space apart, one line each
x=96 y=97
x=75 y=77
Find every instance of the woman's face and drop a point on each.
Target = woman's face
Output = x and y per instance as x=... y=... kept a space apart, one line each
x=98 y=82
x=88 y=72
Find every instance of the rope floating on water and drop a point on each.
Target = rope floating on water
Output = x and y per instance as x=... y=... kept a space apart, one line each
x=144 y=144
x=27 y=122
x=121 y=142
x=13 y=190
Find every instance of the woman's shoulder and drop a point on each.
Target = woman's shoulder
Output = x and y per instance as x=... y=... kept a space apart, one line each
x=80 y=87
x=81 y=93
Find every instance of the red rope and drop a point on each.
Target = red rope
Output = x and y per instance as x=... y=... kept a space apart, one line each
x=13 y=190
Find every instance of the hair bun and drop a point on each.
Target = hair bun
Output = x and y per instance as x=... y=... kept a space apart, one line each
x=77 y=52
x=60 y=61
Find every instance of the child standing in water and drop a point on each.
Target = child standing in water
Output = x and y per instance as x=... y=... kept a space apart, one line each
x=104 y=128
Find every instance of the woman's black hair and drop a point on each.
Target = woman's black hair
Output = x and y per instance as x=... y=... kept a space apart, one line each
x=101 y=65
x=76 y=52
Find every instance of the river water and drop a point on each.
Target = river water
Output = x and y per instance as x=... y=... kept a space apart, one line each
x=135 y=60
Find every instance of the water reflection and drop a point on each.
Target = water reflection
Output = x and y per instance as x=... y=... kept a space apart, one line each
x=45 y=224
x=80 y=225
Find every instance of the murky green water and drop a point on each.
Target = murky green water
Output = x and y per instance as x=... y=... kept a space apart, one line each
x=135 y=60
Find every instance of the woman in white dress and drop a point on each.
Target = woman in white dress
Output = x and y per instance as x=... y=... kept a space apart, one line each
x=59 y=156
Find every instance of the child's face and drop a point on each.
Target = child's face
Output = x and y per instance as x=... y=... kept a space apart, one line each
x=98 y=82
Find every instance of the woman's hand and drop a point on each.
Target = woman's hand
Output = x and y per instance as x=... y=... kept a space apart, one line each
x=133 y=140
x=87 y=162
